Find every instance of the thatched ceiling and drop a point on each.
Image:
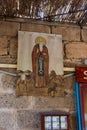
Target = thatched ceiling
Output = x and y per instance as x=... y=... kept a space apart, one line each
x=50 y=10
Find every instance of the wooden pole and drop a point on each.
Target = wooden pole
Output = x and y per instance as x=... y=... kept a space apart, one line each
x=8 y=66
x=14 y=66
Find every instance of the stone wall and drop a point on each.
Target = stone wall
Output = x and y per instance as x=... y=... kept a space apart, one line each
x=23 y=113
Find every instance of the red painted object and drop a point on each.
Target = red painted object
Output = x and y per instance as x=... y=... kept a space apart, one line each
x=81 y=74
x=83 y=97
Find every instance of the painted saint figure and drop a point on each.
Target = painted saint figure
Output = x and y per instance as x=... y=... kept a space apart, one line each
x=40 y=62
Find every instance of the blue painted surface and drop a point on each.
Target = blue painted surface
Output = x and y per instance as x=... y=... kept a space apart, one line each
x=78 y=106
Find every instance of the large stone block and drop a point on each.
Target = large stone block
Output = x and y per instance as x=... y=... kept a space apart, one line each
x=7 y=101
x=84 y=34
x=7 y=83
x=56 y=103
x=76 y=50
x=35 y=28
x=11 y=101
x=72 y=63
x=2 y=128
x=68 y=33
x=9 y=28
x=3 y=45
x=13 y=46
x=28 y=119
x=8 y=59
x=7 y=119
x=24 y=102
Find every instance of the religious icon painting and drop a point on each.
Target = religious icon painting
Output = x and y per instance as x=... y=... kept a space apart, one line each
x=39 y=54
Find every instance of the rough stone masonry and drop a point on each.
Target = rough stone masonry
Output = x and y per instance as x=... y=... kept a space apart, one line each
x=23 y=113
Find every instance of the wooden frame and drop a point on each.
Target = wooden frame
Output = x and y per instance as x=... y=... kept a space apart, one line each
x=54 y=115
